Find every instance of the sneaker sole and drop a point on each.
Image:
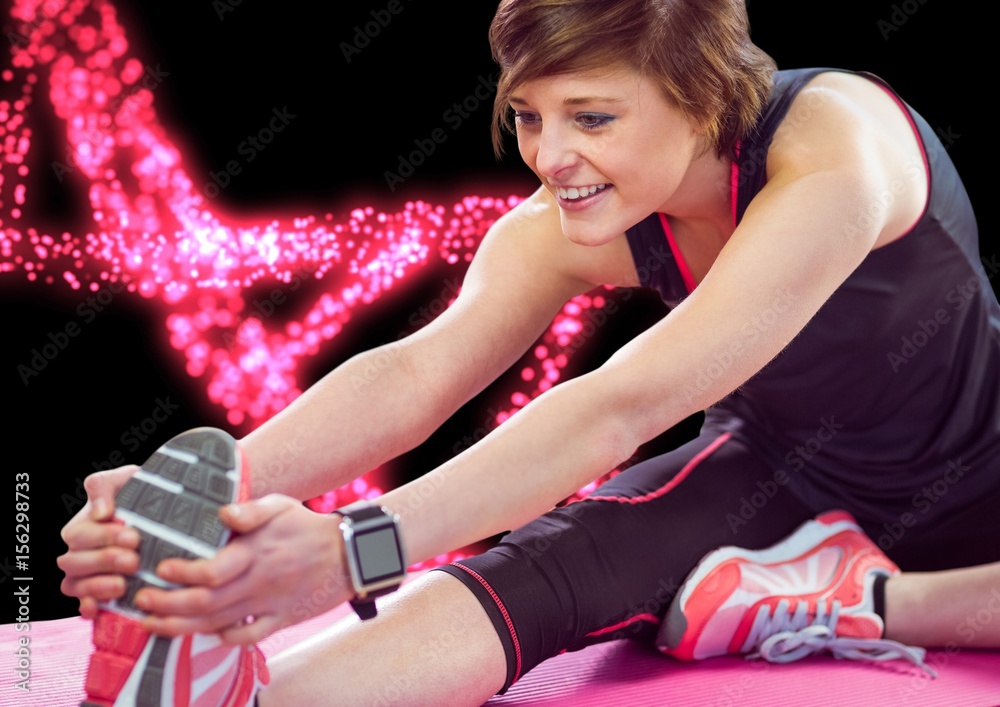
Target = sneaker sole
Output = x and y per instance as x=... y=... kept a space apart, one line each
x=173 y=502
x=811 y=532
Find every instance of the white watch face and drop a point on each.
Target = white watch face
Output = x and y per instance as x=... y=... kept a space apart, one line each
x=378 y=554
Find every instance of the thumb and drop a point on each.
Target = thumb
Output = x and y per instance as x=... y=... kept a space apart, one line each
x=101 y=488
x=250 y=515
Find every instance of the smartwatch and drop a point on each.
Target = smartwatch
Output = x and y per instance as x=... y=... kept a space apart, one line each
x=375 y=553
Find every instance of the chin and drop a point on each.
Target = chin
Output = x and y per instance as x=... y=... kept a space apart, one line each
x=587 y=233
x=589 y=237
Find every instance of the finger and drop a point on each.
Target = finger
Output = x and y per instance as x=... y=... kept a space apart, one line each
x=248 y=633
x=99 y=588
x=85 y=563
x=190 y=601
x=210 y=623
x=88 y=535
x=248 y=516
x=175 y=626
x=101 y=489
x=88 y=608
x=229 y=563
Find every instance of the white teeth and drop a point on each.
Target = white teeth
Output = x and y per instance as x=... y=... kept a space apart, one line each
x=579 y=192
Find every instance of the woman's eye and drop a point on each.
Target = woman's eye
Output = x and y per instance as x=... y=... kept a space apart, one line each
x=592 y=121
x=523 y=118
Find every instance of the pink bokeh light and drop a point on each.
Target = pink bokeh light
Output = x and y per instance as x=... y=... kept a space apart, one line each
x=153 y=235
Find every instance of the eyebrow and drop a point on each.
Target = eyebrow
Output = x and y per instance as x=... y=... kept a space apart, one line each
x=574 y=101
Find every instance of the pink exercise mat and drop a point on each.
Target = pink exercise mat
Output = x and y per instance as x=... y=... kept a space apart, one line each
x=619 y=673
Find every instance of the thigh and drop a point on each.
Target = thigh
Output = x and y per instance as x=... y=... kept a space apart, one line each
x=607 y=566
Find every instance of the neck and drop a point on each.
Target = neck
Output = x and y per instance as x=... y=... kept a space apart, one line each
x=704 y=198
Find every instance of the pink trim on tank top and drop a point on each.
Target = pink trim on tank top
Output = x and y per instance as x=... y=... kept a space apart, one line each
x=689 y=283
x=686 y=275
x=923 y=154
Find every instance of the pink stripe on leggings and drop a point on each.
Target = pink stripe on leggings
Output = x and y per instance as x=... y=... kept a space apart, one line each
x=627 y=622
x=503 y=612
x=670 y=485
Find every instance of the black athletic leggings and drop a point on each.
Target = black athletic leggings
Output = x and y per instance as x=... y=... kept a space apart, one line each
x=607 y=567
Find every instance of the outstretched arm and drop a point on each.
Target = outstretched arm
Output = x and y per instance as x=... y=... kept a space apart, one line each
x=386 y=401
x=373 y=407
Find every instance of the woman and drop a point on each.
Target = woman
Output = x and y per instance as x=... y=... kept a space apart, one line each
x=828 y=309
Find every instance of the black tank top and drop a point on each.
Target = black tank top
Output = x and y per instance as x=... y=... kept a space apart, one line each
x=894 y=385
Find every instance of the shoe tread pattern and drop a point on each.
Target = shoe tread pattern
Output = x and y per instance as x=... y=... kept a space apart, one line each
x=205 y=485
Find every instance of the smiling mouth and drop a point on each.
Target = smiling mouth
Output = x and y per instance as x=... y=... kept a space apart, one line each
x=578 y=193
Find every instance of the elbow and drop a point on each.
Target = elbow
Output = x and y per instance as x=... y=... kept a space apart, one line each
x=633 y=412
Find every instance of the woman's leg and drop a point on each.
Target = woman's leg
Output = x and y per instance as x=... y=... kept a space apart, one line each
x=431 y=644
x=945 y=592
x=948 y=595
x=603 y=568
x=951 y=608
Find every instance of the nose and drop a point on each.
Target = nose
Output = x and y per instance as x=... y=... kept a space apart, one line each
x=555 y=152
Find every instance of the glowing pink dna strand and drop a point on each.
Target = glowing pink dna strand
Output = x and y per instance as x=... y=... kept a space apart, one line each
x=153 y=233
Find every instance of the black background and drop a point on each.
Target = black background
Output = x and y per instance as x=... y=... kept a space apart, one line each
x=229 y=65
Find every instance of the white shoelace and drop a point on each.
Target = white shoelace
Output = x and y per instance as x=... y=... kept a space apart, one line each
x=791 y=636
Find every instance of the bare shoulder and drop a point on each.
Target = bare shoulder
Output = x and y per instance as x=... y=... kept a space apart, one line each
x=839 y=116
x=851 y=124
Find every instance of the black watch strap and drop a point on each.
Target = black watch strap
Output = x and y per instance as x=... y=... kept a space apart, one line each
x=359 y=511
x=365 y=608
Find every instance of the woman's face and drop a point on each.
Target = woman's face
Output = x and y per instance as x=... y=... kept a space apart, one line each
x=609 y=146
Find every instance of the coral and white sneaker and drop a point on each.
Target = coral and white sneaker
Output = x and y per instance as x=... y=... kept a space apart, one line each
x=173 y=501
x=808 y=593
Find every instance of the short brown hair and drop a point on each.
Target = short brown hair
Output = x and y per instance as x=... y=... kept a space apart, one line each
x=699 y=50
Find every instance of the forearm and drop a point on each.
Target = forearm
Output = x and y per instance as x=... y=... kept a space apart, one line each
x=560 y=442
x=367 y=411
